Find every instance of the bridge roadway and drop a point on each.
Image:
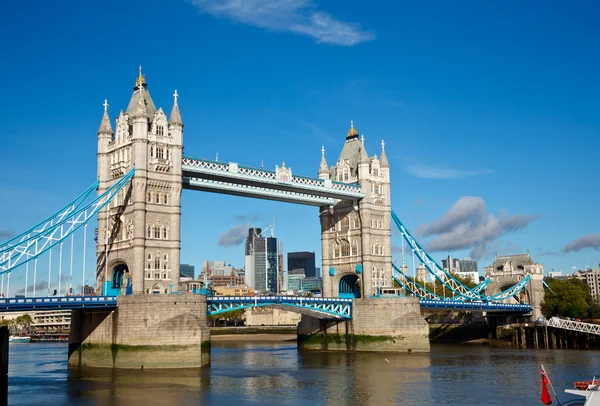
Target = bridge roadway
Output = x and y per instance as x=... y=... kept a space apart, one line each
x=318 y=307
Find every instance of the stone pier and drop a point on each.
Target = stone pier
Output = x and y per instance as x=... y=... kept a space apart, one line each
x=144 y=331
x=380 y=325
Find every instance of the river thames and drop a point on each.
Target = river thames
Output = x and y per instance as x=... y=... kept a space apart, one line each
x=268 y=373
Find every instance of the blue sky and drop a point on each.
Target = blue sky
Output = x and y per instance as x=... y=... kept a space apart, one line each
x=489 y=111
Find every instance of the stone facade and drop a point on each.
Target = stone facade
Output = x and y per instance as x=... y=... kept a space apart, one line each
x=380 y=325
x=508 y=270
x=356 y=236
x=138 y=239
x=145 y=331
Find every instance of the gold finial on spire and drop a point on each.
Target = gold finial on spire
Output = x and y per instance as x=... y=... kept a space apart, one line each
x=352 y=133
x=141 y=80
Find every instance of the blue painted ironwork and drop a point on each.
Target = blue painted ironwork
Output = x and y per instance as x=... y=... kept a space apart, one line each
x=446 y=278
x=59 y=215
x=475 y=306
x=416 y=289
x=55 y=303
x=281 y=185
x=330 y=308
x=55 y=230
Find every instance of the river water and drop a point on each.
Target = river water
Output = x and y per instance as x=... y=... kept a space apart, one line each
x=277 y=374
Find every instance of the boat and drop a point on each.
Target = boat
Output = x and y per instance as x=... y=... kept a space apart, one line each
x=590 y=390
x=19 y=339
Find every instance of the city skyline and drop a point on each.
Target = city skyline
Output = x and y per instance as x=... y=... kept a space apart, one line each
x=491 y=131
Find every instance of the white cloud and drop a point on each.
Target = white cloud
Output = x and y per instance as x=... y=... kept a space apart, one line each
x=435 y=172
x=296 y=16
x=469 y=224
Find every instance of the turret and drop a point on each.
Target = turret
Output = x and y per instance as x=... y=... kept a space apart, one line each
x=363 y=161
x=105 y=136
x=385 y=166
x=175 y=123
x=323 y=171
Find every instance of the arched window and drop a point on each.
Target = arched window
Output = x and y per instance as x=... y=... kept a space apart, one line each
x=345 y=224
x=157 y=262
x=149 y=235
x=149 y=199
x=356 y=223
x=164 y=233
x=156 y=232
x=152 y=151
x=354 y=249
x=345 y=245
x=165 y=199
x=156 y=198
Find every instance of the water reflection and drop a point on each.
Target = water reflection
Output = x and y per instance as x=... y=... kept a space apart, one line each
x=277 y=374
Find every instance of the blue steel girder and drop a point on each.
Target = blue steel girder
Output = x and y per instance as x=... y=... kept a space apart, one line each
x=412 y=286
x=447 y=279
x=57 y=303
x=324 y=308
x=224 y=177
x=55 y=230
x=489 y=307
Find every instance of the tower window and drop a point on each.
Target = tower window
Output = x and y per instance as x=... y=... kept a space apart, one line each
x=160 y=130
x=152 y=151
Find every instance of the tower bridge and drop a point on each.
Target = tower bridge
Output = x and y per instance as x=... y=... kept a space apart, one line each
x=141 y=174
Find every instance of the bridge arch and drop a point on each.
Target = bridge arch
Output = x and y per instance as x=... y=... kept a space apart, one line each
x=349 y=287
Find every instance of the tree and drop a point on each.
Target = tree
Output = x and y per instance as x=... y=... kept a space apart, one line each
x=566 y=298
x=23 y=322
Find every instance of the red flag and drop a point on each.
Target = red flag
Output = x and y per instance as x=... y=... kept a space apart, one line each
x=546 y=399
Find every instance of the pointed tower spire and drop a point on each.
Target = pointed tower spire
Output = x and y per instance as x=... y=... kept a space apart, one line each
x=175 y=118
x=383 y=159
x=105 y=127
x=323 y=171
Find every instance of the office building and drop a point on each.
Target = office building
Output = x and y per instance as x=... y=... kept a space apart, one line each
x=186 y=272
x=263 y=271
x=590 y=277
x=468 y=265
x=450 y=264
x=302 y=262
x=221 y=274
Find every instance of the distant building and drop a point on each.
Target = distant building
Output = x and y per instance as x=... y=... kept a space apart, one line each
x=421 y=272
x=451 y=265
x=301 y=283
x=88 y=290
x=468 y=265
x=233 y=291
x=590 y=277
x=186 y=272
x=221 y=274
x=302 y=262
x=262 y=263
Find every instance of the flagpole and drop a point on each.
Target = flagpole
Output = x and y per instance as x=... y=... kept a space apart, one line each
x=550 y=383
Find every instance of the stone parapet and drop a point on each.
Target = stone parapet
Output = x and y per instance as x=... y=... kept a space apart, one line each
x=384 y=324
x=144 y=331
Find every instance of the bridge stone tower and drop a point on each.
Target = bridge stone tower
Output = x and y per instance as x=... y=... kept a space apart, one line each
x=356 y=236
x=138 y=239
x=507 y=270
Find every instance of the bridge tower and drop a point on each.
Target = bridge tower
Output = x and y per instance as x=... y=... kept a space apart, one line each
x=508 y=270
x=356 y=236
x=138 y=240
